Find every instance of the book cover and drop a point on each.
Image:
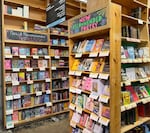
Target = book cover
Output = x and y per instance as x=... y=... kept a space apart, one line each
x=16 y=104
x=131 y=52
x=41 y=75
x=28 y=51
x=34 y=51
x=14 y=77
x=9 y=105
x=98 y=45
x=26 y=101
x=23 y=89
x=89 y=104
x=27 y=63
x=76 y=117
x=105 y=46
x=21 y=64
x=75 y=65
x=15 y=90
x=34 y=75
x=83 y=119
x=45 y=51
x=79 y=101
x=7 y=64
x=96 y=107
x=75 y=47
x=40 y=63
x=89 y=124
x=21 y=76
x=87 y=84
x=9 y=90
x=7 y=50
x=34 y=63
x=106 y=112
x=40 y=51
x=22 y=51
x=126 y=97
x=46 y=98
x=87 y=64
x=81 y=46
x=28 y=76
x=15 y=63
x=8 y=77
x=89 y=45
x=15 y=51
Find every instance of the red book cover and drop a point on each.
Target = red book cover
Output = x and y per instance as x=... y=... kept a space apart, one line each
x=83 y=119
x=34 y=51
x=7 y=64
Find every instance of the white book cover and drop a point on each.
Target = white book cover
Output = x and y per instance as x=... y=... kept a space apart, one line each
x=26 y=11
x=131 y=73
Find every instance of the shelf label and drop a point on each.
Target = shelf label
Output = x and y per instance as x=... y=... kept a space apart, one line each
x=9 y=112
x=127 y=83
x=30 y=82
x=133 y=40
x=104 y=121
x=79 y=109
x=48 y=104
x=121 y=84
x=86 y=131
x=104 y=98
x=129 y=60
x=93 y=75
x=48 y=91
x=93 y=54
x=47 y=57
x=14 y=83
x=17 y=96
x=104 y=53
x=23 y=56
x=103 y=76
x=94 y=117
x=144 y=101
x=72 y=106
x=71 y=72
x=128 y=107
x=35 y=57
x=42 y=68
x=134 y=105
x=15 y=69
x=78 y=91
x=53 y=68
x=38 y=93
x=63 y=78
x=123 y=108
x=73 y=124
x=78 y=55
x=47 y=80
x=124 y=61
x=9 y=125
x=8 y=56
x=29 y=69
x=143 y=80
x=93 y=96
x=8 y=98
x=57 y=57
x=140 y=21
x=78 y=73
x=73 y=90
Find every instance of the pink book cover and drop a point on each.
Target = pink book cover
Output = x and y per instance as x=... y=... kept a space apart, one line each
x=57 y=52
x=40 y=63
x=14 y=90
x=7 y=64
x=83 y=119
x=89 y=104
x=88 y=84
x=89 y=124
x=15 y=116
x=15 y=51
x=27 y=63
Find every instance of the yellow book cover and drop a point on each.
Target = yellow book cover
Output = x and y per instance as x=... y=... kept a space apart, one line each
x=20 y=116
x=98 y=45
x=75 y=65
x=99 y=65
x=126 y=97
x=32 y=101
x=94 y=65
x=21 y=76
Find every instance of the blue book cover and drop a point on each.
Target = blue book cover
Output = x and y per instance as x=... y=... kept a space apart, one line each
x=89 y=45
x=41 y=75
x=131 y=52
x=21 y=63
x=46 y=98
x=8 y=118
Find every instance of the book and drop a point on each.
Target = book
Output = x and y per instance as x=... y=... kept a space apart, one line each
x=40 y=51
x=15 y=90
x=21 y=64
x=16 y=104
x=89 y=104
x=34 y=63
x=89 y=124
x=131 y=52
x=26 y=101
x=34 y=75
x=7 y=64
x=45 y=51
x=75 y=47
x=83 y=119
x=41 y=75
x=14 y=77
x=81 y=46
x=106 y=112
x=22 y=51
x=126 y=97
x=7 y=50
x=40 y=63
x=9 y=90
x=89 y=45
x=21 y=76
x=15 y=63
x=23 y=89
x=34 y=51
x=27 y=63
x=75 y=65
x=15 y=51
x=8 y=77
x=98 y=45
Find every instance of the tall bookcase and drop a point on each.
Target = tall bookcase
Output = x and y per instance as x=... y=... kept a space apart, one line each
x=106 y=78
x=26 y=68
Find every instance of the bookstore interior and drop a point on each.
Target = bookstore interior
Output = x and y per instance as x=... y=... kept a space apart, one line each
x=87 y=59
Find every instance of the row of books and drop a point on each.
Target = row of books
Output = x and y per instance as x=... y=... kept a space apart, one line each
x=130 y=52
x=57 y=63
x=57 y=42
x=137 y=12
x=58 y=84
x=90 y=64
x=60 y=107
x=15 y=63
x=61 y=31
x=23 y=76
x=18 y=11
x=135 y=73
x=95 y=86
x=60 y=74
x=16 y=51
x=60 y=95
x=135 y=93
x=24 y=88
x=27 y=101
x=90 y=46
x=27 y=114
x=130 y=31
x=59 y=52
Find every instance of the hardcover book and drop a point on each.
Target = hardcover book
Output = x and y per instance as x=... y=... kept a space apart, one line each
x=15 y=51
x=21 y=64
x=21 y=76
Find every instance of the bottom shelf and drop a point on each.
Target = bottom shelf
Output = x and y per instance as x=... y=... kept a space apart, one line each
x=137 y=123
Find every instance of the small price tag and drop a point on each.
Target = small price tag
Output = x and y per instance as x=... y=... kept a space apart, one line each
x=48 y=104
x=38 y=93
x=16 y=69
x=93 y=75
x=103 y=76
x=134 y=105
x=72 y=106
x=86 y=131
x=73 y=90
x=133 y=40
x=30 y=82
x=29 y=69
x=8 y=56
x=57 y=57
x=35 y=57
x=129 y=60
x=14 y=83
x=127 y=83
x=140 y=21
x=78 y=73
x=9 y=112
x=94 y=117
x=123 y=108
x=144 y=101
x=23 y=56
x=73 y=124
x=17 y=96
x=93 y=54
x=93 y=96
x=128 y=107
x=79 y=109
x=9 y=125
x=48 y=91
x=104 y=98
x=47 y=57
x=53 y=68
x=104 y=121
x=63 y=78
x=8 y=98
x=142 y=80
x=42 y=68
x=104 y=53
x=124 y=61
x=78 y=55
x=47 y=80
x=71 y=72
x=78 y=91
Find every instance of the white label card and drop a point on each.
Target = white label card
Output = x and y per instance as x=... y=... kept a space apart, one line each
x=144 y=101
x=78 y=55
x=47 y=80
x=57 y=57
x=140 y=21
x=42 y=68
x=93 y=54
x=86 y=131
x=78 y=91
x=9 y=112
x=48 y=91
x=71 y=72
x=79 y=109
x=30 y=82
x=128 y=107
x=104 y=98
x=29 y=69
x=35 y=57
x=73 y=124
x=48 y=104
x=123 y=108
x=53 y=68
x=78 y=73
x=93 y=75
x=8 y=56
x=93 y=96
x=14 y=83
x=9 y=125
x=133 y=40
x=17 y=96
x=94 y=117
x=38 y=93
x=104 y=53
x=63 y=78
x=103 y=76
x=127 y=83
x=72 y=106
x=9 y=98
x=73 y=90
x=23 y=56
x=16 y=69
x=104 y=121
x=47 y=57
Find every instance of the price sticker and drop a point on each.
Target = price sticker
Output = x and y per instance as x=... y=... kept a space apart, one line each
x=144 y=101
x=128 y=107
x=93 y=54
x=123 y=108
x=29 y=69
x=94 y=117
x=14 y=83
x=93 y=75
x=104 y=121
x=63 y=78
x=78 y=73
x=38 y=93
x=134 y=105
x=93 y=96
x=57 y=57
x=104 y=98
x=30 y=82
x=47 y=57
x=129 y=60
x=127 y=83
x=9 y=125
x=9 y=112
x=53 y=68
x=124 y=61
x=104 y=53
x=35 y=57
x=142 y=80
x=48 y=104
x=140 y=21
x=48 y=91
x=103 y=76
x=79 y=110
x=86 y=131
x=17 y=96
x=133 y=40
x=8 y=56
x=42 y=68
x=78 y=55
x=78 y=91
x=72 y=106
x=23 y=56
x=8 y=98
x=73 y=90
x=71 y=72
x=47 y=80
x=16 y=69
x=73 y=124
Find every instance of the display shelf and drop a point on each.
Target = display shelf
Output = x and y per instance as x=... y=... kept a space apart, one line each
x=138 y=60
x=134 y=40
x=58 y=35
x=60 y=78
x=58 y=101
x=61 y=89
x=58 y=46
x=28 y=56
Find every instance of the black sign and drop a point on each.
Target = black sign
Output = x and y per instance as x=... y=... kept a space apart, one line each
x=25 y=36
x=90 y=21
x=56 y=13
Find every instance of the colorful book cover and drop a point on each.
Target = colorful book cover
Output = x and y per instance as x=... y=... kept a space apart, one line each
x=9 y=90
x=23 y=89
x=47 y=86
x=98 y=45
x=89 y=45
x=126 y=97
x=28 y=76
x=105 y=46
x=34 y=75
x=106 y=112
x=21 y=76
x=46 y=98
x=9 y=105
x=15 y=51
x=40 y=63
x=14 y=77
x=8 y=77
x=7 y=64
x=83 y=119
x=15 y=90
x=87 y=84
x=96 y=107
x=41 y=75
x=75 y=47
x=40 y=51
x=89 y=124
x=79 y=101
x=27 y=63
x=16 y=104
x=47 y=74
x=45 y=51
x=26 y=101
x=131 y=52
x=7 y=50
x=34 y=51
x=28 y=51
x=45 y=63
x=89 y=104
x=34 y=63
x=21 y=64
x=15 y=63
x=76 y=117
x=22 y=51
x=81 y=46
x=9 y=118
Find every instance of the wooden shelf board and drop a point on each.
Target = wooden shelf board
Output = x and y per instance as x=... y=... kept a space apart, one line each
x=58 y=101
x=60 y=89
x=61 y=112
x=59 y=46
x=59 y=78
x=137 y=123
x=59 y=35
x=61 y=66
x=60 y=56
x=141 y=40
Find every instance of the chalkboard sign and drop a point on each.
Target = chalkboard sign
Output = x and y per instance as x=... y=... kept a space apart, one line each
x=56 y=13
x=25 y=36
x=90 y=21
